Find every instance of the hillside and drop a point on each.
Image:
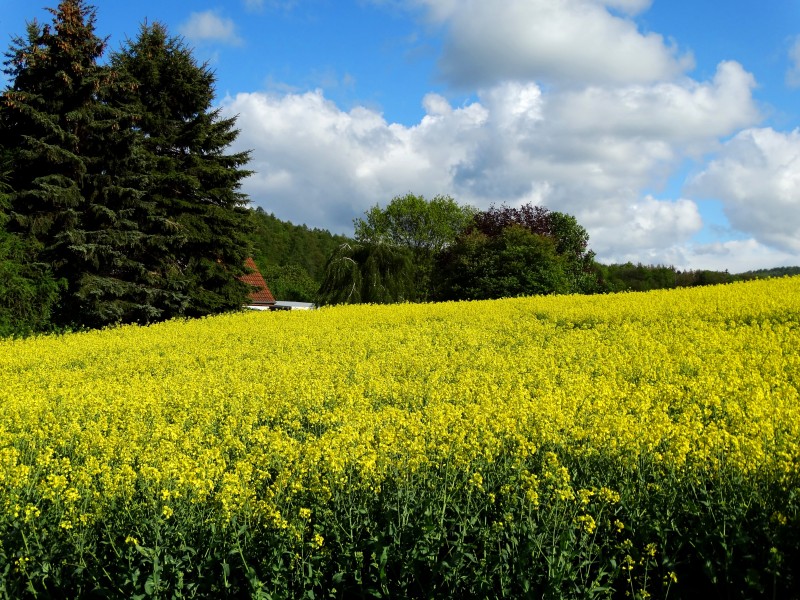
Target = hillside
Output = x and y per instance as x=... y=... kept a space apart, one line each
x=291 y=257
x=547 y=447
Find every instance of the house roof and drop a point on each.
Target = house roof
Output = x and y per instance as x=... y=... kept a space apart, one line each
x=261 y=294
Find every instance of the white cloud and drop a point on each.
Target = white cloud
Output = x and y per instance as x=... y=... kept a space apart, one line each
x=622 y=118
x=793 y=74
x=686 y=112
x=645 y=228
x=319 y=165
x=736 y=256
x=570 y=41
x=209 y=26
x=757 y=177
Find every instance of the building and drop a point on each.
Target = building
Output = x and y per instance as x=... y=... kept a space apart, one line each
x=260 y=298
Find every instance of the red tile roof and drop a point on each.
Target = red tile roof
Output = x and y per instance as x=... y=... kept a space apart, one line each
x=261 y=295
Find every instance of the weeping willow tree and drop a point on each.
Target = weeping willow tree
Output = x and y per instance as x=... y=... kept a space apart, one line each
x=375 y=273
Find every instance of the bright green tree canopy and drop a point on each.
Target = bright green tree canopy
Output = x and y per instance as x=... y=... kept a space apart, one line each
x=424 y=226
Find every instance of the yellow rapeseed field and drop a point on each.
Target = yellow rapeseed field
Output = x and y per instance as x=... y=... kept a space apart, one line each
x=274 y=424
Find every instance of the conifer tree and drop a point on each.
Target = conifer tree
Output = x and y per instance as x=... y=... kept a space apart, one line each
x=75 y=169
x=198 y=217
x=27 y=289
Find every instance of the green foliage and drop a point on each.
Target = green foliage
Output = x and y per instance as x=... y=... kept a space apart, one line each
x=368 y=273
x=509 y=252
x=702 y=277
x=570 y=238
x=641 y=278
x=603 y=532
x=572 y=243
x=290 y=282
x=120 y=179
x=196 y=219
x=75 y=168
x=514 y=263
x=456 y=253
x=28 y=291
x=425 y=227
x=764 y=273
x=279 y=243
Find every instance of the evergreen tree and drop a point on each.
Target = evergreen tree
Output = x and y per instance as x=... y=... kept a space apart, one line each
x=75 y=170
x=279 y=243
x=197 y=221
x=27 y=289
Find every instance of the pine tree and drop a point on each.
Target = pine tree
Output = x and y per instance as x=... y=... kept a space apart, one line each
x=198 y=217
x=75 y=170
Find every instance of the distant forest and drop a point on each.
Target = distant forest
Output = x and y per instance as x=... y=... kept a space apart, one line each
x=293 y=258
x=641 y=278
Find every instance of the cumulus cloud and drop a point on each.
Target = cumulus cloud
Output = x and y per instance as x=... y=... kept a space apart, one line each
x=208 y=26
x=622 y=116
x=757 y=177
x=688 y=112
x=645 y=228
x=585 y=41
x=793 y=74
x=319 y=165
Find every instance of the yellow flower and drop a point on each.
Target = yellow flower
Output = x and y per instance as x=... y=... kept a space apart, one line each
x=587 y=523
x=673 y=577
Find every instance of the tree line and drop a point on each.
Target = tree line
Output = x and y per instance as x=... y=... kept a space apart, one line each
x=419 y=250
x=436 y=250
x=120 y=202
x=119 y=199
x=641 y=278
x=291 y=257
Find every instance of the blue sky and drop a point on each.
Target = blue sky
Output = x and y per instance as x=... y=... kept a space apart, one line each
x=669 y=128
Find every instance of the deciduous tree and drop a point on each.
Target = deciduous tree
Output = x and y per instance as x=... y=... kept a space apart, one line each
x=570 y=238
x=515 y=262
x=368 y=273
x=423 y=226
